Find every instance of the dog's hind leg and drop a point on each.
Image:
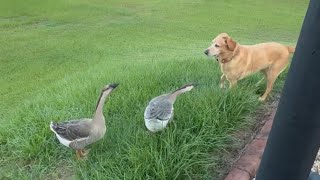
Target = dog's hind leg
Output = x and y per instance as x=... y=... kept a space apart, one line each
x=269 y=88
x=272 y=73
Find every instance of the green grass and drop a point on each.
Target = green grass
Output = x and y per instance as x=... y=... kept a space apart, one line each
x=55 y=56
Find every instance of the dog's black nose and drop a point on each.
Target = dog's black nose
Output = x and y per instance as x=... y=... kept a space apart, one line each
x=206 y=51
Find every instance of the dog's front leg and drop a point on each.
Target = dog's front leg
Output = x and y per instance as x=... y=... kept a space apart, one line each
x=232 y=83
x=222 y=81
x=259 y=82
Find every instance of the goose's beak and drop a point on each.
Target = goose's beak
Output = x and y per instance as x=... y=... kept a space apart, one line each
x=114 y=85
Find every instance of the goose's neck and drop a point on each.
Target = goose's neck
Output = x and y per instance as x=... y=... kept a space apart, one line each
x=173 y=96
x=98 y=116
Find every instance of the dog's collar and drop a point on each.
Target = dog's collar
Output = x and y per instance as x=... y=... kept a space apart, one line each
x=224 y=61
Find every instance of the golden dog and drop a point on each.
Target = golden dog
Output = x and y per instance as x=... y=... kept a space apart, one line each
x=238 y=61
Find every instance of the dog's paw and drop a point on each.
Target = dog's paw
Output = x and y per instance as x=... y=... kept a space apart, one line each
x=262 y=99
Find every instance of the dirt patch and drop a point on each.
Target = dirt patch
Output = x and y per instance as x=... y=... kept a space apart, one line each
x=316 y=164
x=64 y=171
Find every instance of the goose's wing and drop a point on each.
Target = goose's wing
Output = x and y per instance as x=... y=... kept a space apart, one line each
x=72 y=130
x=159 y=109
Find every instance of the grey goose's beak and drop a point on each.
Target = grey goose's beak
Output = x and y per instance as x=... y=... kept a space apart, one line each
x=195 y=84
x=114 y=85
x=110 y=87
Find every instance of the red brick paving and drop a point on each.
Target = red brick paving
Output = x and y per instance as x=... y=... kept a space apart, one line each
x=238 y=174
x=246 y=166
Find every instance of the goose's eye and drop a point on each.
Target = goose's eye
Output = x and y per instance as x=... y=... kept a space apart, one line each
x=216 y=45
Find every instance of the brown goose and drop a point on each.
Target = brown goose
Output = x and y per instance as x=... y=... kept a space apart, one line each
x=77 y=134
x=159 y=112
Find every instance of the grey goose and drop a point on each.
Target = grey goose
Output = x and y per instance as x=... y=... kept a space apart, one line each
x=159 y=111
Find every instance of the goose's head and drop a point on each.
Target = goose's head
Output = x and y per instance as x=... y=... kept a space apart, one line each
x=105 y=92
x=108 y=88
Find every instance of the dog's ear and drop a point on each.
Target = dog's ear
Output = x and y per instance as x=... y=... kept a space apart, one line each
x=224 y=35
x=231 y=44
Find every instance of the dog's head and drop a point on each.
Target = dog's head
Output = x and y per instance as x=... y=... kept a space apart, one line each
x=222 y=47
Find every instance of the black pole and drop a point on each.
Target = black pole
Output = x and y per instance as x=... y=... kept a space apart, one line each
x=295 y=135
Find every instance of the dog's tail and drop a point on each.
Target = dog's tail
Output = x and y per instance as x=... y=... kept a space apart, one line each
x=291 y=49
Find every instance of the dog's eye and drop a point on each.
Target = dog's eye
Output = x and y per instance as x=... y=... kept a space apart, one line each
x=216 y=45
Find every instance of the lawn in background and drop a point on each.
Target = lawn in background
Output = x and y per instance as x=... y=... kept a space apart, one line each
x=55 y=56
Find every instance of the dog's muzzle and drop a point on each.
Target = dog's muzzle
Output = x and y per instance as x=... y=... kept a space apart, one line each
x=206 y=52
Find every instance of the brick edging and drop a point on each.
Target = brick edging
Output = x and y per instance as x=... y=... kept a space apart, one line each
x=246 y=166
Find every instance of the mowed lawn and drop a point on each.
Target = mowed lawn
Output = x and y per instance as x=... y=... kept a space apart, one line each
x=55 y=56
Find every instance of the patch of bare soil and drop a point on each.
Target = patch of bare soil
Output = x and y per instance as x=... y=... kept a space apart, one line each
x=316 y=164
x=63 y=172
